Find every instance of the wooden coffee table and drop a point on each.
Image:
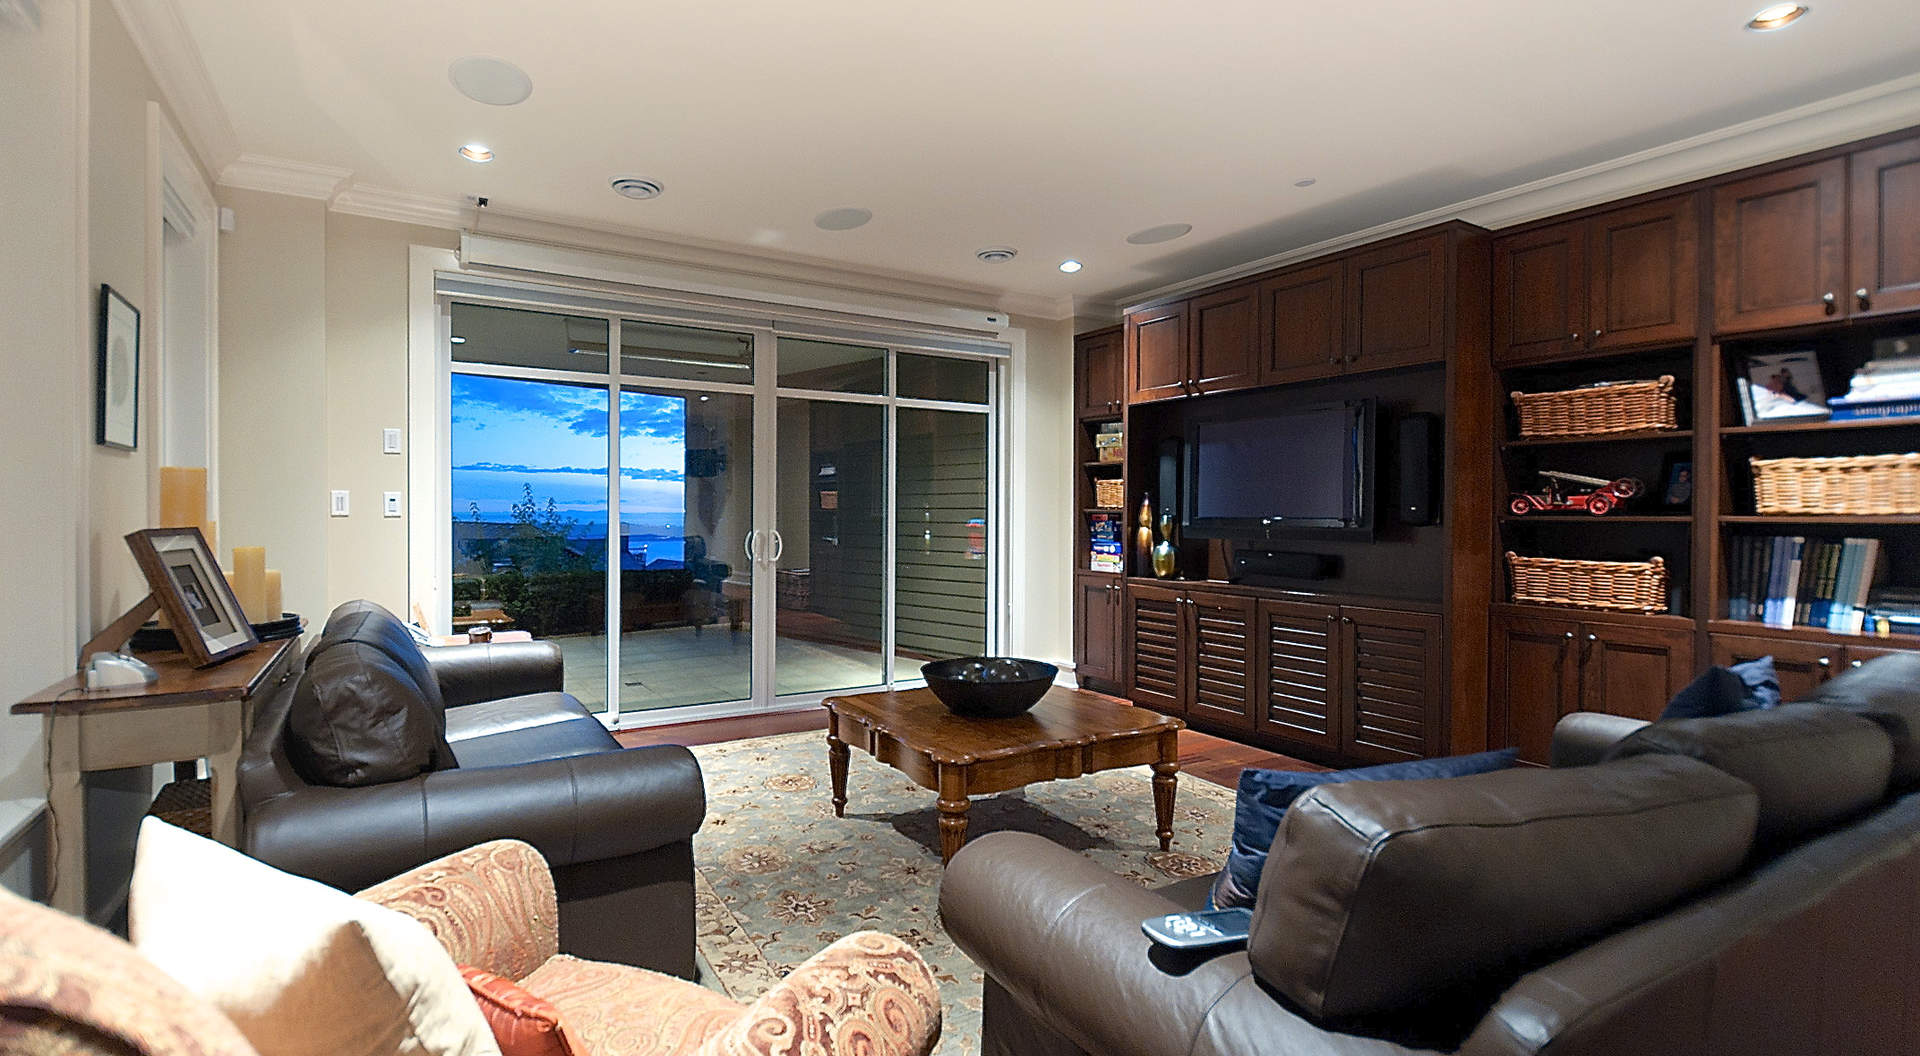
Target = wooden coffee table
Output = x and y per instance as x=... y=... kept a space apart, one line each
x=1070 y=732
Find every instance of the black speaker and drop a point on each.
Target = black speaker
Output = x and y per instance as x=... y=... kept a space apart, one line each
x=1170 y=498
x=1257 y=567
x=1419 y=439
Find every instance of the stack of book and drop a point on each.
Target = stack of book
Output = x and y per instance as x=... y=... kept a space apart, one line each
x=1881 y=388
x=1894 y=610
x=1790 y=580
x=1104 y=543
x=1109 y=444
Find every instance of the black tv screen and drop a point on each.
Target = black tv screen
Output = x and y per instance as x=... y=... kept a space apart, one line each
x=1274 y=472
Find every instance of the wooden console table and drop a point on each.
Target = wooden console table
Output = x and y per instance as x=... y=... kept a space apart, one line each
x=190 y=713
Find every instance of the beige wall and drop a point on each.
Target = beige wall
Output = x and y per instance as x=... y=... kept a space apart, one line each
x=1040 y=493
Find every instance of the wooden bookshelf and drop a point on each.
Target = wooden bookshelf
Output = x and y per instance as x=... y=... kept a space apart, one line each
x=1637 y=436
x=1820 y=425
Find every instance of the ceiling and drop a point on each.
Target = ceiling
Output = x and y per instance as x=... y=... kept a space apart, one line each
x=1056 y=127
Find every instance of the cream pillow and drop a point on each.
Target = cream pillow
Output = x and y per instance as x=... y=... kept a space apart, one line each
x=300 y=968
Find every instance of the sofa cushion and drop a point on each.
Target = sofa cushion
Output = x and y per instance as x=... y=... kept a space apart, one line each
x=1886 y=690
x=618 y=1010
x=358 y=719
x=1392 y=897
x=1725 y=690
x=68 y=987
x=1264 y=795
x=1813 y=766
x=524 y=729
x=522 y=1024
x=300 y=968
x=371 y=625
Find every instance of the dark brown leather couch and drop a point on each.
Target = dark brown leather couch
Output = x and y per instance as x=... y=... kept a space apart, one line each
x=506 y=754
x=1747 y=884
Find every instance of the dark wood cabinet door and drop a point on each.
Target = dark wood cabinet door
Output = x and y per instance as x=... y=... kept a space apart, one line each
x=1156 y=353
x=1780 y=248
x=1539 y=293
x=1099 y=375
x=1159 y=649
x=1644 y=274
x=1222 y=626
x=1225 y=350
x=1096 y=630
x=1534 y=679
x=1886 y=229
x=1396 y=305
x=1302 y=323
x=1633 y=671
x=1298 y=696
x=1390 y=673
x=1858 y=655
x=1801 y=666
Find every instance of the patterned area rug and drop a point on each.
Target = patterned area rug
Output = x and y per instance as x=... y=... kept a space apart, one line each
x=779 y=877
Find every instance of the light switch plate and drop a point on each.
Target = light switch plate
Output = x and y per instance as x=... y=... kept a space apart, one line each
x=389 y=441
x=390 y=506
x=339 y=507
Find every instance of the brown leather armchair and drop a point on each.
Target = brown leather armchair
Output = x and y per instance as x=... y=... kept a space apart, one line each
x=510 y=757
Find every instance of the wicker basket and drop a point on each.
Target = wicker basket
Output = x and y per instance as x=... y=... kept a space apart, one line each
x=1109 y=494
x=1624 y=586
x=1856 y=484
x=1617 y=408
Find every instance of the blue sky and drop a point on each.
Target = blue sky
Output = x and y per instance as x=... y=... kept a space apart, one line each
x=508 y=432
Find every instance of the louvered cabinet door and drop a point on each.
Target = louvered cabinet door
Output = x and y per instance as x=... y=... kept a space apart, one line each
x=1392 y=699
x=1156 y=640
x=1223 y=652
x=1296 y=698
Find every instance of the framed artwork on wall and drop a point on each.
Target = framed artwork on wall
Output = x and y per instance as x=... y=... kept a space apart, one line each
x=186 y=579
x=117 y=373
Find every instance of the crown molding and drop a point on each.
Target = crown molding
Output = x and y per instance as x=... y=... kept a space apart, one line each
x=256 y=172
x=403 y=207
x=160 y=36
x=1885 y=107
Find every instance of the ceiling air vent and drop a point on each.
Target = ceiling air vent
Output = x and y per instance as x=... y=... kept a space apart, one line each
x=997 y=254
x=638 y=189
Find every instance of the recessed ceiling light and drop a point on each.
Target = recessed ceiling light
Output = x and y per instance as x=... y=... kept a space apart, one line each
x=1162 y=233
x=997 y=254
x=1308 y=182
x=458 y=340
x=636 y=188
x=1070 y=266
x=842 y=219
x=476 y=152
x=495 y=82
x=1776 y=16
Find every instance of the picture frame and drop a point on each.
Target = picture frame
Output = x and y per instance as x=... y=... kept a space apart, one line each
x=194 y=594
x=117 y=373
x=1783 y=385
x=1676 y=481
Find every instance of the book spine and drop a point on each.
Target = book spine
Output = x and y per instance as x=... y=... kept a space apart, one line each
x=1758 y=576
x=1776 y=571
x=1843 y=587
x=1861 y=412
x=1871 y=568
x=1823 y=583
x=1736 y=579
x=1803 y=588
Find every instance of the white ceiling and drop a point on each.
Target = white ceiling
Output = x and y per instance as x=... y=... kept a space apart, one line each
x=1054 y=126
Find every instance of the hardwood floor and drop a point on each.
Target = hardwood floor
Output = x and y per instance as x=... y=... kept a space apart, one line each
x=1210 y=758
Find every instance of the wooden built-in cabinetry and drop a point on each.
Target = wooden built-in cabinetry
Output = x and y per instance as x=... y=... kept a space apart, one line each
x=1547 y=663
x=1099 y=374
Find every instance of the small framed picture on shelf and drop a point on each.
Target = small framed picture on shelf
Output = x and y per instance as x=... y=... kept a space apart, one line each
x=1782 y=385
x=1676 y=481
x=193 y=592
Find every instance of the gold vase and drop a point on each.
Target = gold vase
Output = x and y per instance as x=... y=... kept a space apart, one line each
x=1143 y=536
x=1164 y=557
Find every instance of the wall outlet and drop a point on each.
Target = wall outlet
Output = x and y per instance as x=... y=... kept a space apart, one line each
x=339 y=507
x=390 y=504
x=389 y=441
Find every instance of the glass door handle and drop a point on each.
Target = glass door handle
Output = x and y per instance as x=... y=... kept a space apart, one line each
x=779 y=545
x=748 y=546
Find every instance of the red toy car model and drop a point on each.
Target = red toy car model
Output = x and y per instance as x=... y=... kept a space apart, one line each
x=1607 y=494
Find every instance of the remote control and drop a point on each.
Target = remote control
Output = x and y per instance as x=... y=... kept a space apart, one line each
x=1191 y=931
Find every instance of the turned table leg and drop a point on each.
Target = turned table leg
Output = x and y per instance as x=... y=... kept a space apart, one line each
x=837 y=764
x=953 y=811
x=1165 y=777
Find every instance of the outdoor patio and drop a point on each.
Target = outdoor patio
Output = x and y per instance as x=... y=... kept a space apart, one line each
x=674 y=667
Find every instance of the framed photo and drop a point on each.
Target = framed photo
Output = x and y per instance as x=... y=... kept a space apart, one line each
x=117 y=373
x=193 y=592
x=1676 y=481
x=1785 y=385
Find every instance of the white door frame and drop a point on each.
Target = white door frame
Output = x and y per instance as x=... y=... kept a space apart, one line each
x=177 y=196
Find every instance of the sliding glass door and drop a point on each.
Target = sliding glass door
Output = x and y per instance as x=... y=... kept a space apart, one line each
x=616 y=511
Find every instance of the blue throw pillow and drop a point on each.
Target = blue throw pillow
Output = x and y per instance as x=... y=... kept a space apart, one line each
x=1726 y=690
x=1265 y=795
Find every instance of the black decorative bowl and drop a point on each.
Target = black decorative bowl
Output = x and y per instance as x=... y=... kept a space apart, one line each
x=153 y=638
x=989 y=687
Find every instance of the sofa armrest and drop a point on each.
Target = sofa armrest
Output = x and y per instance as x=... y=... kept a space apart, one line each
x=469 y=674
x=491 y=906
x=868 y=986
x=1582 y=738
x=582 y=808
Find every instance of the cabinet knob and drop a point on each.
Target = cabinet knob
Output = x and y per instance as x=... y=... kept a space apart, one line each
x=1346 y=619
x=1826 y=661
x=1830 y=301
x=1853 y=663
x=1569 y=636
x=1593 y=637
x=1862 y=296
x=1574 y=337
x=1596 y=335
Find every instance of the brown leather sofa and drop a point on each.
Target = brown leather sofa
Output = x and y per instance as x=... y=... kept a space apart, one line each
x=1747 y=884
x=504 y=755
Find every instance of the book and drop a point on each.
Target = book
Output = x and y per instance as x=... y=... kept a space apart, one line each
x=1736 y=580
x=1849 y=562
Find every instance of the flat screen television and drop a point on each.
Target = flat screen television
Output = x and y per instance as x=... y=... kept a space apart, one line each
x=1267 y=473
